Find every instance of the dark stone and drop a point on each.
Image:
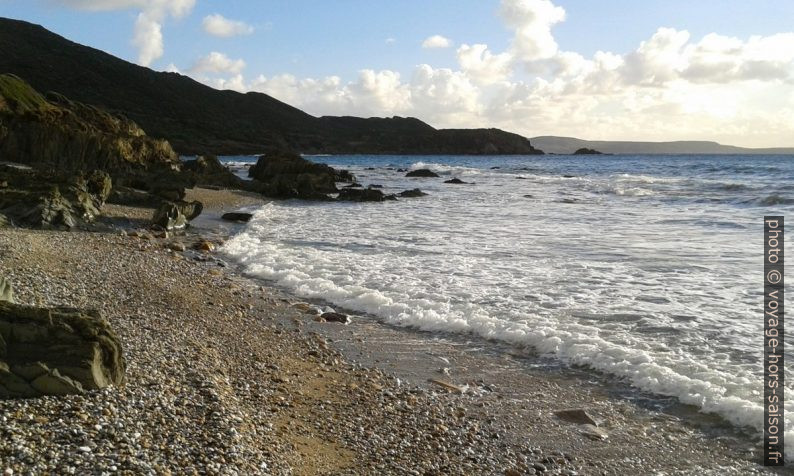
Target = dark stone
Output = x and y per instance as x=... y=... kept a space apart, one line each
x=422 y=173
x=288 y=175
x=169 y=217
x=56 y=351
x=190 y=209
x=335 y=317
x=495 y=168
x=521 y=178
x=569 y=176
x=412 y=193
x=237 y=216
x=363 y=195
x=208 y=171
x=455 y=181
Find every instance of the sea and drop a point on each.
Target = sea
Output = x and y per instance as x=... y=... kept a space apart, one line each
x=645 y=268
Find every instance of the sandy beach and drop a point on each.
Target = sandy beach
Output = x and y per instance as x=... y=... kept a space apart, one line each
x=229 y=376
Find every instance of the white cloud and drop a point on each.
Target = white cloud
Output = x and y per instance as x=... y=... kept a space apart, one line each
x=482 y=65
x=217 y=25
x=216 y=62
x=390 y=41
x=531 y=21
x=148 y=35
x=437 y=41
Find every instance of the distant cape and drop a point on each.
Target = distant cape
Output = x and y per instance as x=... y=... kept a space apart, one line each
x=568 y=145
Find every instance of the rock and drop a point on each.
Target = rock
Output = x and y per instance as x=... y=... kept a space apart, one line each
x=56 y=351
x=422 y=173
x=363 y=195
x=335 y=317
x=6 y=290
x=288 y=175
x=208 y=171
x=455 y=181
x=586 y=151
x=529 y=196
x=353 y=185
x=179 y=247
x=237 y=216
x=593 y=432
x=412 y=193
x=190 y=209
x=205 y=246
x=375 y=185
x=577 y=415
x=5 y=222
x=169 y=217
x=521 y=178
x=569 y=176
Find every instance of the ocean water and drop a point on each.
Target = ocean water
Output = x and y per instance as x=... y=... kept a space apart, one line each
x=648 y=268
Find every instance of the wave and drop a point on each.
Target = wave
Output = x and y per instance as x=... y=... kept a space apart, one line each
x=444 y=169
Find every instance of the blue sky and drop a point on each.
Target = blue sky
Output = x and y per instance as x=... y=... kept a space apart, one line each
x=575 y=67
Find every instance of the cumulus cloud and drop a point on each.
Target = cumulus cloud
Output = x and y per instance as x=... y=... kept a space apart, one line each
x=216 y=62
x=437 y=41
x=670 y=86
x=148 y=35
x=217 y=25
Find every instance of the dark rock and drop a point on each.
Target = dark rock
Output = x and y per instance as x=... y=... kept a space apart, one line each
x=56 y=351
x=529 y=196
x=412 y=193
x=6 y=290
x=495 y=168
x=586 y=151
x=169 y=217
x=422 y=173
x=208 y=171
x=190 y=209
x=576 y=415
x=455 y=181
x=288 y=175
x=363 y=195
x=353 y=185
x=402 y=170
x=521 y=178
x=133 y=197
x=237 y=216
x=569 y=176
x=335 y=317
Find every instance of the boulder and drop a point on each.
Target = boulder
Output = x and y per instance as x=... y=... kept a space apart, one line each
x=335 y=317
x=56 y=351
x=288 y=175
x=455 y=181
x=363 y=195
x=190 y=209
x=422 y=173
x=208 y=171
x=6 y=291
x=169 y=217
x=237 y=216
x=412 y=193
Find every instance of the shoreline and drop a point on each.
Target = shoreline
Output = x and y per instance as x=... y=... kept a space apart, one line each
x=228 y=363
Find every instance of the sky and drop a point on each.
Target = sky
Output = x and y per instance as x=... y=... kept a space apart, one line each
x=600 y=70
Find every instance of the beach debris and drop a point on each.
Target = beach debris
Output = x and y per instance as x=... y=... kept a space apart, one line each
x=576 y=415
x=593 y=432
x=422 y=173
x=447 y=385
x=335 y=317
x=237 y=216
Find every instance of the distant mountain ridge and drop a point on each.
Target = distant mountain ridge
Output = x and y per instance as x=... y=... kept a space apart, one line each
x=197 y=119
x=567 y=145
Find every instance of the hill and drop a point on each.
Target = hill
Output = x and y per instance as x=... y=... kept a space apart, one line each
x=567 y=145
x=197 y=119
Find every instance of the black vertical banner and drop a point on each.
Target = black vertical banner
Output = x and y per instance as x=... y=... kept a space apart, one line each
x=774 y=420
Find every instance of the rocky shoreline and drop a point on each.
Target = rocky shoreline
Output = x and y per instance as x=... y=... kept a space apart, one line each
x=227 y=376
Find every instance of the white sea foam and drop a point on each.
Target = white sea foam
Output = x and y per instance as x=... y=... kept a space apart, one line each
x=625 y=284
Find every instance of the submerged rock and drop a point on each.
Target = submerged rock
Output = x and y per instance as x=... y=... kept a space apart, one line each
x=237 y=216
x=455 y=181
x=56 y=351
x=422 y=173
x=412 y=193
x=586 y=151
x=363 y=195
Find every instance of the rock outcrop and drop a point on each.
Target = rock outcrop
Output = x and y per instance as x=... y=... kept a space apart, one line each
x=288 y=175
x=44 y=199
x=169 y=217
x=208 y=171
x=363 y=195
x=414 y=193
x=586 y=151
x=56 y=351
x=456 y=181
x=422 y=173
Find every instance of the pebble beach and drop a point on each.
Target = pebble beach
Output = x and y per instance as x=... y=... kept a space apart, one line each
x=226 y=375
